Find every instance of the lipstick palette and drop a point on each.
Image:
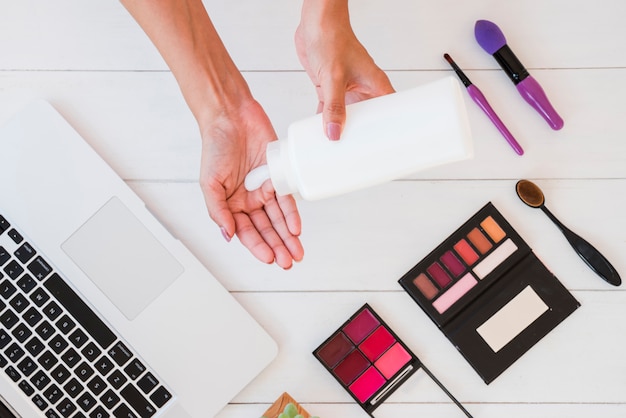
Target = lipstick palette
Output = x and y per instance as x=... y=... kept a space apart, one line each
x=369 y=360
x=489 y=293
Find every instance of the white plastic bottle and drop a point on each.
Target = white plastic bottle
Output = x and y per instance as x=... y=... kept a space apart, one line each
x=384 y=138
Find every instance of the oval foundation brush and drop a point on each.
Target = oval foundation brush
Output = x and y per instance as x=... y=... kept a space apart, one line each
x=532 y=195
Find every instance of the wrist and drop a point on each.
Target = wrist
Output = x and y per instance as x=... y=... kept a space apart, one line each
x=317 y=14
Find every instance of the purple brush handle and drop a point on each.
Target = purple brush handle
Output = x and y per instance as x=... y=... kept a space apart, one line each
x=478 y=97
x=532 y=92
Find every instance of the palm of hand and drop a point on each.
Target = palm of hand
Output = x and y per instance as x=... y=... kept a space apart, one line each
x=266 y=224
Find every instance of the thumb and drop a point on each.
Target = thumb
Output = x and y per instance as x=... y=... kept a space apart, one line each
x=334 y=109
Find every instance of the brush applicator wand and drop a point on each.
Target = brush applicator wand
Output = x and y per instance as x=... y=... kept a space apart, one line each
x=492 y=40
x=479 y=98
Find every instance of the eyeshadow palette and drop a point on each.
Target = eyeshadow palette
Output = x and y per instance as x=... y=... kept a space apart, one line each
x=489 y=293
x=368 y=359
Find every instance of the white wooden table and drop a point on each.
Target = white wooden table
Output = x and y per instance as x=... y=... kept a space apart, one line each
x=91 y=60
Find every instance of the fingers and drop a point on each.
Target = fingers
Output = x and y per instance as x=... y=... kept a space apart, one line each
x=215 y=200
x=333 y=90
x=266 y=240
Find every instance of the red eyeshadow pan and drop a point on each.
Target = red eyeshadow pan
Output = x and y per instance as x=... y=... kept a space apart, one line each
x=377 y=343
x=466 y=252
x=351 y=367
x=367 y=384
x=335 y=350
x=361 y=326
x=439 y=275
x=452 y=263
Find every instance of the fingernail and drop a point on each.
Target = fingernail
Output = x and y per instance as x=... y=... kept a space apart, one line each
x=225 y=234
x=333 y=130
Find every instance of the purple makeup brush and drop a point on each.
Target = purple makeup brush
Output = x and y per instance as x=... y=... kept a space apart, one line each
x=492 y=40
x=479 y=98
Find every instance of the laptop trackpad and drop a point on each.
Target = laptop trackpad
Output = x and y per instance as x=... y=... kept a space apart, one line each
x=123 y=258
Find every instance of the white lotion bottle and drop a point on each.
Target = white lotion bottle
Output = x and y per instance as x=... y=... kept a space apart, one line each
x=384 y=138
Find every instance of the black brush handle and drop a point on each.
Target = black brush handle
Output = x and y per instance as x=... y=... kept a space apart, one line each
x=594 y=259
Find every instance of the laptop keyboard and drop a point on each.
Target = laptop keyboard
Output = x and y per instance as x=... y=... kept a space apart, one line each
x=58 y=351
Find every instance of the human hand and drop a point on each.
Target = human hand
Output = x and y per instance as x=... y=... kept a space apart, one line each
x=233 y=143
x=336 y=62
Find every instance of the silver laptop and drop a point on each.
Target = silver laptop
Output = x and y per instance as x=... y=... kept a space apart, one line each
x=102 y=312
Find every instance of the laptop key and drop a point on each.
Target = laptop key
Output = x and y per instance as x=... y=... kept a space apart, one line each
x=52 y=310
x=26 y=388
x=32 y=316
x=120 y=353
x=137 y=401
x=78 y=338
x=84 y=371
x=135 y=369
x=99 y=412
x=39 y=297
x=13 y=270
x=24 y=253
x=4 y=256
x=96 y=385
x=104 y=365
x=91 y=351
x=13 y=374
x=40 y=380
x=117 y=379
x=160 y=396
x=3 y=361
x=19 y=303
x=123 y=411
x=73 y=388
x=7 y=289
x=15 y=236
x=26 y=283
x=147 y=383
x=53 y=394
x=27 y=366
x=80 y=311
x=60 y=374
x=5 y=339
x=21 y=332
x=4 y=224
x=39 y=268
x=71 y=358
x=14 y=353
x=66 y=407
x=58 y=344
x=47 y=360
x=40 y=402
x=34 y=346
x=9 y=319
x=45 y=330
x=86 y=402
x=109 y=399
x=65 y=324
x=51 y=414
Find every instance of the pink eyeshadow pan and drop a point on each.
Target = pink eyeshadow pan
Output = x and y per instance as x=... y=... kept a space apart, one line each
x=393 y=360
x=367 y=384
x=377 y=343
x=454 y=293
